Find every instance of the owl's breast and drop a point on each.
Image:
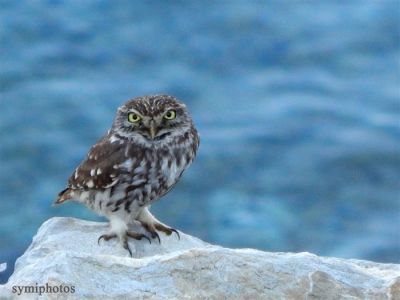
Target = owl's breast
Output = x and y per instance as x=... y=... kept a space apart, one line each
x=171 y=171
x=155 y=171
x=172 y=166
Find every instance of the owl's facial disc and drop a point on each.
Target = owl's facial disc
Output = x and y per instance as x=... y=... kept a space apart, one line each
x=152 y=118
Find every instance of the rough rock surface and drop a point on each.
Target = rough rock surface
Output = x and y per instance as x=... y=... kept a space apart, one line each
x=65 y=252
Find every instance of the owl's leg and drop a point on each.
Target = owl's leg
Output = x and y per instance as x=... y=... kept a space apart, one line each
x=119 y=229
x=151 y=224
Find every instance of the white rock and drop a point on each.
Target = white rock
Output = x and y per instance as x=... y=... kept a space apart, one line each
x=3 y=267
x=65 y=252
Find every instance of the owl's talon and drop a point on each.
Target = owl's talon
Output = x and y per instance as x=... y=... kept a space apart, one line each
x=137 y=236
x=106 y=237
x=126 y=246
x=166 y=230
x=152 y=231
x=155 y=235
x=176 y=232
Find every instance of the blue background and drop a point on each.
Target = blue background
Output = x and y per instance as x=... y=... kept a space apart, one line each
x=297 y=104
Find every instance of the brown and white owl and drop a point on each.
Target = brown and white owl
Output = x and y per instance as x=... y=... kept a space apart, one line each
x=150 y=144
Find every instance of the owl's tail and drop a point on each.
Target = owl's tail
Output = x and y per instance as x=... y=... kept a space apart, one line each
x=63 y=196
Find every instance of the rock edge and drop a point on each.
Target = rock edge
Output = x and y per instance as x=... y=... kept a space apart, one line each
x=65 y=252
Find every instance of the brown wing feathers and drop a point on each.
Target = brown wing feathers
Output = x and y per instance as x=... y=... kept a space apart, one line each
x=96 y=171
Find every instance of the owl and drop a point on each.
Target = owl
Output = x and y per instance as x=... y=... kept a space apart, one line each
x=152 y=141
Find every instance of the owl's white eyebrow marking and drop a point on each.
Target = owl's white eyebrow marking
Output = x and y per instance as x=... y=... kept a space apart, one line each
x=132 y=110
x=92 y=171
x=98 y=171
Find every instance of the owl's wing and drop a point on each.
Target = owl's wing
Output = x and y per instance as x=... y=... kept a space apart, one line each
x=99 y=169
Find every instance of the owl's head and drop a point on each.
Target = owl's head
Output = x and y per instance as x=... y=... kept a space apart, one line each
x=152 y=117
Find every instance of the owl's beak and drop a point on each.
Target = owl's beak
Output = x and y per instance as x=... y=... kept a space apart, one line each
x=152 y=130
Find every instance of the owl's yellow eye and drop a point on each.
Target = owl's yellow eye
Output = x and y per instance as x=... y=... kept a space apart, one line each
x=170 y=115
x=133 y=118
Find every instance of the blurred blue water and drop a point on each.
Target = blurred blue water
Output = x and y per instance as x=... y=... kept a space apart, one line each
x=297 y=104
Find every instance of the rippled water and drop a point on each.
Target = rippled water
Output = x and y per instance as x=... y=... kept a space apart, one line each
x=297 y=105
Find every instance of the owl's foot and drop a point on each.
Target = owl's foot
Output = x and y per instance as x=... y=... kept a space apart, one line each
x=167 y=230
x=151 y=224
x=151 y=228
x=124 y=238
